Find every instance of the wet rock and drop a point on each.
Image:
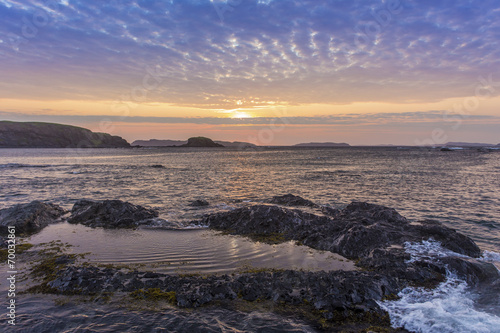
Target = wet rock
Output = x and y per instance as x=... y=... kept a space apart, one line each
x=291 y=200
x=266 y=219
x=369 y=214
x=110 y=214
x=474 y=271
x=329 y=211
x=448 y=237
x=373 y=235
x=199 y=203
x=328 y=292
x=151 y=275
x=29 y=218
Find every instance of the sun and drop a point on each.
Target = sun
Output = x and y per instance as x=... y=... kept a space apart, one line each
x=240 y=114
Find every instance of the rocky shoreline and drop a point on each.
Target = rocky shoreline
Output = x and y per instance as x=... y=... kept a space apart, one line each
x=374 y=236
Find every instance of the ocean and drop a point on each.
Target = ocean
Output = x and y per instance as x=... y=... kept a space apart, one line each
x=459 y=188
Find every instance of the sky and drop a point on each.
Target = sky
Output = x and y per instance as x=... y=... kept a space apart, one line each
x=270 y=72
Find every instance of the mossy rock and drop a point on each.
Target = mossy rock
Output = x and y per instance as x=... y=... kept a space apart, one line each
x=155 y=295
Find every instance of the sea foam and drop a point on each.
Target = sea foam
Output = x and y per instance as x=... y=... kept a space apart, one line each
x=447 y=308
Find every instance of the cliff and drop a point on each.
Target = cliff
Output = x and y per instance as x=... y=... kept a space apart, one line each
x=48 y=135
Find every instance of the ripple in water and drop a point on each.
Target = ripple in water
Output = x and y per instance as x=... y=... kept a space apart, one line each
x=187 y=251
x=36 y=315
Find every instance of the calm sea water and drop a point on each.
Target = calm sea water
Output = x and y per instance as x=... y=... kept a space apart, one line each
x=459 y=188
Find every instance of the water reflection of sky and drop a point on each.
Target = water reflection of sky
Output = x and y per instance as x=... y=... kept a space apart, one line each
x=201 y=251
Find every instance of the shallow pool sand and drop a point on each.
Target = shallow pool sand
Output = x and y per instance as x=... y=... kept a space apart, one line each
x=187 y=251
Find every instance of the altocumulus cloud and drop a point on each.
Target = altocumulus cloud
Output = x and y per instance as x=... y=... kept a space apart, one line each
x=252 y=53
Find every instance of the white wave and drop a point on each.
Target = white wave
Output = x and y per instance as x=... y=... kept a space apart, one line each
x=490 y=256
x=159 y=223
x=447 y=308
x=194 y=226
x=427 y=250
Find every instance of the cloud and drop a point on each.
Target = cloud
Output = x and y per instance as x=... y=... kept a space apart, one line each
x=284 y=52
x=407 y=118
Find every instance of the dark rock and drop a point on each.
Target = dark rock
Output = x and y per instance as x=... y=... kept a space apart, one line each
x=291 y=200
x=267 y=220
x=199 y=203
x=372 y=234
x=29 y=218
x=472 y=270
x=446 y=149
x=201 y=141
x=448 y=237
x=370 y=213
x=110 y=214
x=158 y=166
x=329 y=211
x=64 y=260
x=151 y=275
x=328 y=292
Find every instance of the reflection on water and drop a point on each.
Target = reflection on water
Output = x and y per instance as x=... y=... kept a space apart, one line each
x=187 y=251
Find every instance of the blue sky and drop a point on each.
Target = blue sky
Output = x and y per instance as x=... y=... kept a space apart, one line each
x=320 y=61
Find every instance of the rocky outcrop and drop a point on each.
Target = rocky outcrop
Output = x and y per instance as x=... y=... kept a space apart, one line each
x=267 y=220
x=355 y=232
x=291 y=200
x=201 y=141
x=199 y=203
x=373 y=235
x=110 y=214
x=29 y=218
x=377 y=237
x=47 y=135
x=338 y=295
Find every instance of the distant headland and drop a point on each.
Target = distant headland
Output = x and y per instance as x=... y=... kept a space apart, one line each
x=201 y=141
x=52 y=135
x=322 y=144
x=49 y=135
x=185 y=143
